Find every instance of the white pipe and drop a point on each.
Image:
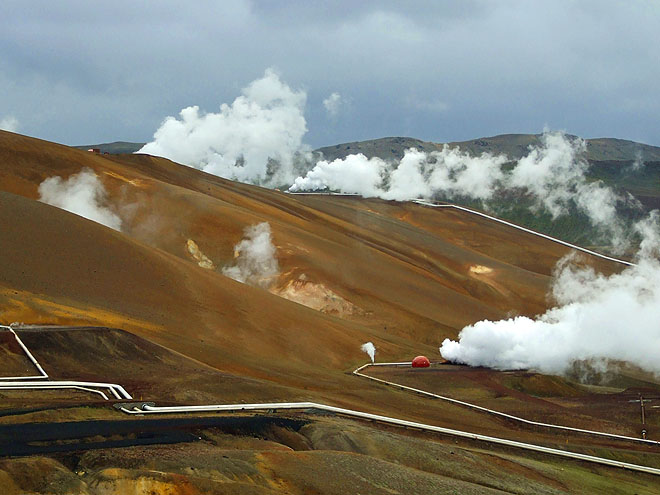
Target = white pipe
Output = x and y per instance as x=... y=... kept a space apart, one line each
x=122 y=391
x=17 y=382
x=524 y=229
x=498 y=413
x=29 y=355
x=428 y=203
x=321 y=193
x=357 y=371
x=119 y=392
x=93 y=391
x=116 y=390
x=434 y=205
x=394 y=421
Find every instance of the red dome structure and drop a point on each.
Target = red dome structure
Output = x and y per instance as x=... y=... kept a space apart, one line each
x=421 y=362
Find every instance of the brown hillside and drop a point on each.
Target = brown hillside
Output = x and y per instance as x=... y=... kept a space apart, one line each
x=401 y=275
x=388 y=271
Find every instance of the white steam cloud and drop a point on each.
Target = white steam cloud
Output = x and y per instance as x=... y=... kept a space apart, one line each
x=333 y=104
x=417 y=175
x=258 y=139
x=255 y=139
x=598 y=319
x=370 y=349
x=552 y=175
x=255 y=262
x=82 y=194
x=555 y=175
x=9 y=123
x=353 y=174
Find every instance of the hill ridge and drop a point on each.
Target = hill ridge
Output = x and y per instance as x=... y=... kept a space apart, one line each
x=514 y=145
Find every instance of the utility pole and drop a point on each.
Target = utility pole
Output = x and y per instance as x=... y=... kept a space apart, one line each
x=642 y=405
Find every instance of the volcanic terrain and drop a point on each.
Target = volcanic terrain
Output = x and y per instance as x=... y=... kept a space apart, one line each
x=149 y=307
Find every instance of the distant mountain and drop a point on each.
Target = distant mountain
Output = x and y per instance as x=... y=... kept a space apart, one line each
x=514 y=146
x=610 y=158
x=611 y=161
x=388 y=148
x=116 y=148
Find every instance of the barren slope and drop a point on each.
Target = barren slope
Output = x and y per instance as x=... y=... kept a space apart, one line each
x=401 y=275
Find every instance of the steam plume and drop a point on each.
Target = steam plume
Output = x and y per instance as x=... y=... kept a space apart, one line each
x=555 y=175
x=552 y=175
x=255 y=139
x=258 y=139
x=354 y=174
x=370 y=349
x=82 y=194
x=255 y=262
x=598 y=319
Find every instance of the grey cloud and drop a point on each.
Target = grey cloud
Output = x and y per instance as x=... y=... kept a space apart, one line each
x=587 y=67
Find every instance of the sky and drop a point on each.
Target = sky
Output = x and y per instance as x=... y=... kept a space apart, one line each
x=81 y=72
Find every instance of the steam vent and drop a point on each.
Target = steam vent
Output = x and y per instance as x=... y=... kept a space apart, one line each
x=421 y=362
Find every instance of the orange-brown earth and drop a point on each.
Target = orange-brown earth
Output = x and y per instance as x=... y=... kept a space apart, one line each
x=401 y=275
x=541 y=398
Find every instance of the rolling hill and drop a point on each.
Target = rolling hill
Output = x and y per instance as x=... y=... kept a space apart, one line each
x=514 y=146
x=402 y=269
x=629 y=168
x=612 y=161
x=114 y=148
x=401 y=275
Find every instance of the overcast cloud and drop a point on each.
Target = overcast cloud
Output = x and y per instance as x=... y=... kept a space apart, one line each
x=80 y=72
